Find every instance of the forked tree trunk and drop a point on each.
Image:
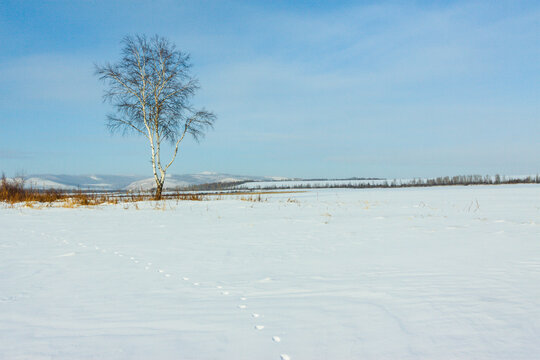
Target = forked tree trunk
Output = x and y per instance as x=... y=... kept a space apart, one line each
x=159 y=189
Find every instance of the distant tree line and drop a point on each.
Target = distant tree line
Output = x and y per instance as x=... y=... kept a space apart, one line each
x=326 y=179
x=218 y=186
x=439 y=181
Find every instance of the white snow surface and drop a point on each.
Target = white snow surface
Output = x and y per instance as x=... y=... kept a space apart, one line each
x=261 y=185
x=423 y=273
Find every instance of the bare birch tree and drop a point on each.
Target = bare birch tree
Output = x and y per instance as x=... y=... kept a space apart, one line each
x=151 y=89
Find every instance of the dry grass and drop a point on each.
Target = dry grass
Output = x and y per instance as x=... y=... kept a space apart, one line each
x=14 y=192
x=186 y=196
x=252 y=198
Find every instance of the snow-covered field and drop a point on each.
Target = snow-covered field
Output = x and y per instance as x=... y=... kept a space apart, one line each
x=424 y=273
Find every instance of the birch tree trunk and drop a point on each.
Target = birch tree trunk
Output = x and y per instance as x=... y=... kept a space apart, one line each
x=159 y=188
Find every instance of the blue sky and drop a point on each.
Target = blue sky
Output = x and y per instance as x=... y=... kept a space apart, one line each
x=301 y=89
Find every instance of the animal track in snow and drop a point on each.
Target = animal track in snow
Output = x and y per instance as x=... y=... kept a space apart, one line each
x=147 y=265
x=242 y=306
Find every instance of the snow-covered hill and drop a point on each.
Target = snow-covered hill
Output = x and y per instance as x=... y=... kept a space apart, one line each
x=68 y=182
x=132 y=182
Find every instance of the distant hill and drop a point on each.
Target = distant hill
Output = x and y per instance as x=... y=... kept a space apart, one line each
x=133 y=182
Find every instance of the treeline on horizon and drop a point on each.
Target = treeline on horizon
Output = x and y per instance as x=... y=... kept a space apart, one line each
x=218 y=186
x=15 y=188
x=439 y=181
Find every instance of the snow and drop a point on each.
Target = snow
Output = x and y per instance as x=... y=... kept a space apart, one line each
x=261 y=185
x=421 y=273
x=38 y=183
x=228 y=180
x=147 y=184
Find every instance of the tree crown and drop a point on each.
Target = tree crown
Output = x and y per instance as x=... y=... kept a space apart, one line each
x=151 y=88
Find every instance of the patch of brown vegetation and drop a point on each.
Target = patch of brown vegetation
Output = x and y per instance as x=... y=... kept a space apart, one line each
x=14 y=191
